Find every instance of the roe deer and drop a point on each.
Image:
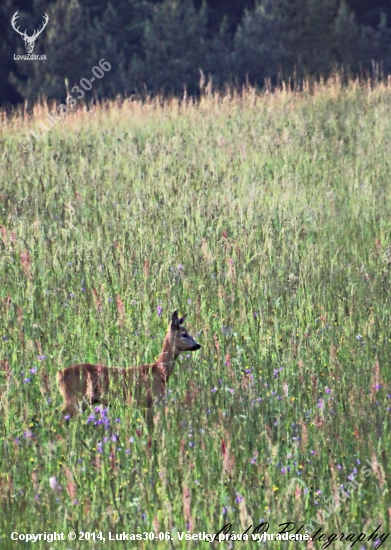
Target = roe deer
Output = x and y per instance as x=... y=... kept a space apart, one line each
x=99 y=384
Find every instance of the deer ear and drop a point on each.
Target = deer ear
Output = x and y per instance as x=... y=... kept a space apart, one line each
x=174 y=320
x=182 y=319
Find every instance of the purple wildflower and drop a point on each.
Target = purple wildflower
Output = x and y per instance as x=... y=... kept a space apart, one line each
x=53 y=483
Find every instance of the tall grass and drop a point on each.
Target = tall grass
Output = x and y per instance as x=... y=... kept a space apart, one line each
x=266 y=218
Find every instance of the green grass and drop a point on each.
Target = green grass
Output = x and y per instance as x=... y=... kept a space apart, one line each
x=266 y=218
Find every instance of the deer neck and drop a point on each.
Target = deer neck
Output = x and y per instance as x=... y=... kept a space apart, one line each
x=168 y=355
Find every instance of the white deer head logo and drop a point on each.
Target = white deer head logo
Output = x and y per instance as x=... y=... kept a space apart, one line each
x=29 y=40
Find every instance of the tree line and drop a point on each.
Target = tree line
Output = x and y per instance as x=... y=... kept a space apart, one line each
x=169 y=46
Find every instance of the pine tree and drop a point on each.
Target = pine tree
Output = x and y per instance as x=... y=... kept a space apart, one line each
x=174 y=47
x=295 y=36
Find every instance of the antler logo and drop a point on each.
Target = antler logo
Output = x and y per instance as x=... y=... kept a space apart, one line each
x=29 y=40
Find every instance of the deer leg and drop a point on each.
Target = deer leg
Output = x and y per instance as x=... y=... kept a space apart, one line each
x=150 y=419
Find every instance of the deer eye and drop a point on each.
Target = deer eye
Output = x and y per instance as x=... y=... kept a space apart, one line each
x=184 y=335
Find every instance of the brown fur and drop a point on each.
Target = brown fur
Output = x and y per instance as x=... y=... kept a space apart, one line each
x=91 y=384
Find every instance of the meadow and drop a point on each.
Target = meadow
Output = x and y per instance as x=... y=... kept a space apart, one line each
x=266 y=217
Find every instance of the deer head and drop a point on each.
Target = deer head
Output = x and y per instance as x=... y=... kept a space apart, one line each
x=29 y=40
x=181 y=338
